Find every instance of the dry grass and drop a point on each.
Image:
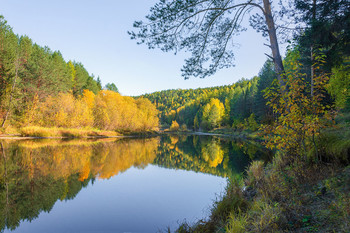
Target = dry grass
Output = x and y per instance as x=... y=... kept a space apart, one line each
x=291 y=195
x=255 y=173
x=35 y=131
x=35 y=144
x=9 y=130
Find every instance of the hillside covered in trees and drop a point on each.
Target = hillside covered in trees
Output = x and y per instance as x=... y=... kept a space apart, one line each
x=39 y=88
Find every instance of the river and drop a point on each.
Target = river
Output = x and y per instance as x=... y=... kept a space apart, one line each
x=115 y=185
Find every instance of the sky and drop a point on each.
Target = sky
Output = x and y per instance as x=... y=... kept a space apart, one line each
x=94 y=32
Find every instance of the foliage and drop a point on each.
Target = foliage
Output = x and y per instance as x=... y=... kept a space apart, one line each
x=195 y=107
x=174 y=126
x=213 y=113
x=260 y=109
x=206 y=29
x=29 y=72
x=111 y=87
x=107 y=110
x=300 y=116
x=339 y=86
x=327 y=27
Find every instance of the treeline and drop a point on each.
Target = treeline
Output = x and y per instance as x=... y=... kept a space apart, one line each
x=243 y=105
x=39 y=88
x=107 y=110
x=238 y=105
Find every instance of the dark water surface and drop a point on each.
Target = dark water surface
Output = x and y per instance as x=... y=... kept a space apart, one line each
x=114 y=185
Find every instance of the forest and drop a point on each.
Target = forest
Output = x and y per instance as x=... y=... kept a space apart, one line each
x=41 y=94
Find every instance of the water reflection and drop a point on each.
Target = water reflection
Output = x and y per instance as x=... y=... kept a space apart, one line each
x=34 y=174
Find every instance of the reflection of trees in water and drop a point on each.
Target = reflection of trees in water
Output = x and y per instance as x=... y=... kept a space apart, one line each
x=34 y=174
x=206 y=154
x=212 y=153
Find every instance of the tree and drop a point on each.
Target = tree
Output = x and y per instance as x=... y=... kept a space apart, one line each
x=266 y=77
x=339 y=86
x=111 y=87
x=23 y=49
x=205 y=28
x=213 y=114
x=327 y=27
x=8 y=51
x=174 y=126
x=300 y=117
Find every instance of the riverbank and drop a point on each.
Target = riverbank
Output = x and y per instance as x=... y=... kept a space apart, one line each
x=34 y=132
x=289 y=194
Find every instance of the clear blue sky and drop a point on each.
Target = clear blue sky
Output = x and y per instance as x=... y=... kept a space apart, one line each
x=94 y=32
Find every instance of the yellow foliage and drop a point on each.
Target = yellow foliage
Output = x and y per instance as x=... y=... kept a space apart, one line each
x=174 y=126
x=107 y=110
x=300 y=116
x=213 y=154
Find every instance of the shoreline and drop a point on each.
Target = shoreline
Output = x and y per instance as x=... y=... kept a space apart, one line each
x=131 y=135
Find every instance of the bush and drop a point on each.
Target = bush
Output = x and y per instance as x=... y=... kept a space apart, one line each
x=174 y=126
x=255 y=173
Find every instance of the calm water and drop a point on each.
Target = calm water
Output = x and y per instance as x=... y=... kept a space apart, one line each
x=114 y=185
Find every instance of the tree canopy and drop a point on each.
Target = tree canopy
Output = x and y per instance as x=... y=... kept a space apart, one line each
x=205 y=28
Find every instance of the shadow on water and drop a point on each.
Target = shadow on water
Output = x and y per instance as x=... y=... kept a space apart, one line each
x=34 y=174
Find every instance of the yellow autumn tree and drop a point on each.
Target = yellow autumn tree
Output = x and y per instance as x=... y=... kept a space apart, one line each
x=300 y=115
x=213 y=114
x=107 y=110
x=174 y=126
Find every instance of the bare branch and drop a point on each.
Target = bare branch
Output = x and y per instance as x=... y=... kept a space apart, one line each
x=269 y=56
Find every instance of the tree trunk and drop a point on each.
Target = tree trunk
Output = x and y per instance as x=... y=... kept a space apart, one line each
x=312 y=71
x=312 y=49
x=277 y=59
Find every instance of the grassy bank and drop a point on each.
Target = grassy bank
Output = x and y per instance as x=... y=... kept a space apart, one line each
x=286 y=195
x=292 y=193
x=35 y=131
x=45 y=132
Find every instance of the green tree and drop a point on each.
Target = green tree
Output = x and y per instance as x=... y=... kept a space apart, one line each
x=81 y=78
x=266 y=76
x=111 y=87
x=339 y=86
x=8 y=74
x=60 y=72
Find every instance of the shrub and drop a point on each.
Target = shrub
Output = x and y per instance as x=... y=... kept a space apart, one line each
x=174 y=126
x=255 y=173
